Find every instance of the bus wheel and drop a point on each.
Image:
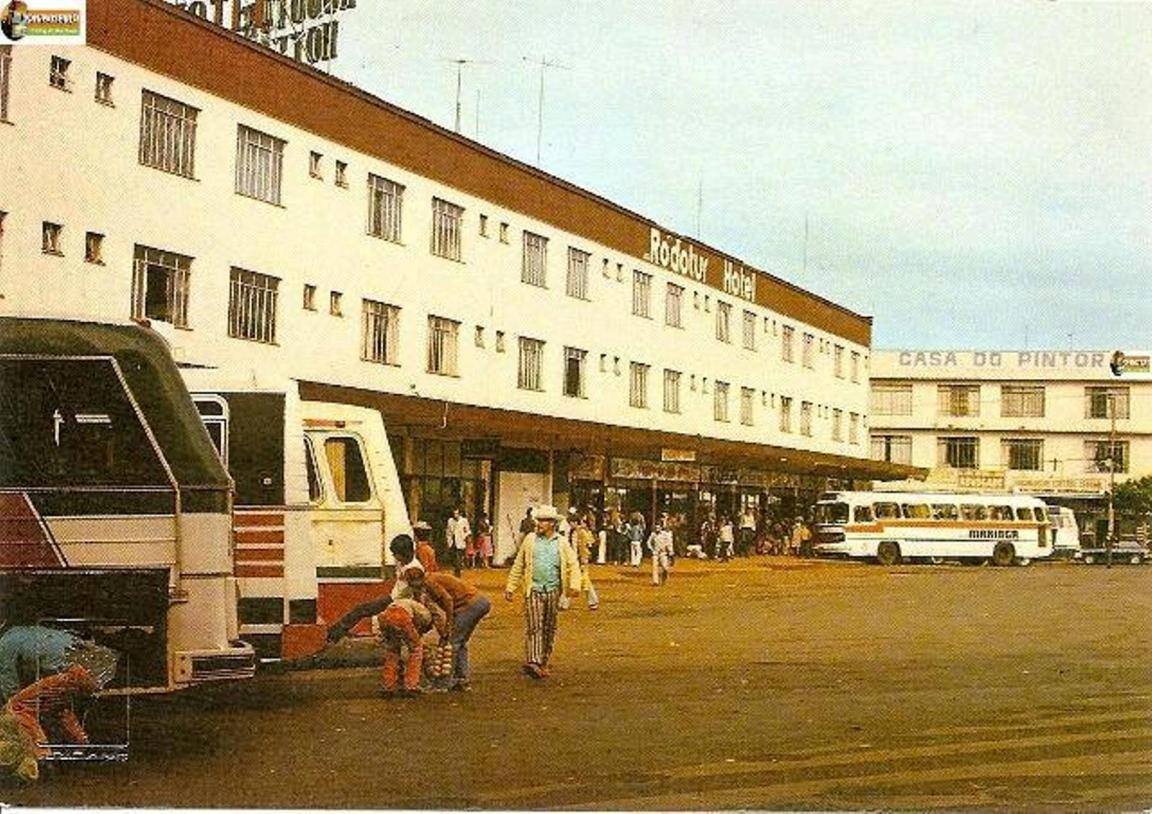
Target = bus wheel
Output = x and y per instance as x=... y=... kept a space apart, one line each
x=888 y=553
x=1003 y=554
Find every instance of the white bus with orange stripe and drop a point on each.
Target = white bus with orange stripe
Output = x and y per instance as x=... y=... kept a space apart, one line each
x=891 y=527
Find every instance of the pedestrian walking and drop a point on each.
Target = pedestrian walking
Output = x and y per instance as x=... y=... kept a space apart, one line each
x=635 y=533
x=801 y=538
x=747 y=531
x=424 y=551
x=661 y=545
x=484 y=540
x=726 y=538
x=582 y=539
x=545 y=567
x=456 y=534
x=709 y=535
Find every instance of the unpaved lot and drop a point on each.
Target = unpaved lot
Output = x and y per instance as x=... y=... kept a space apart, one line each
x=765 y=683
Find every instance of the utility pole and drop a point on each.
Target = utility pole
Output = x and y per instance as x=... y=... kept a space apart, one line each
x=805 y=262
x=460 y=63
x=1111 y=475
x=543 y=63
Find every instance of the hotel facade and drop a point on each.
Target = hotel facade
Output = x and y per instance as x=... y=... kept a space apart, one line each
x=523 y=339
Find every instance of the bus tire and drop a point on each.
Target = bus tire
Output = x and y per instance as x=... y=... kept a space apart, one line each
x=888 y=553
x=1003 y=554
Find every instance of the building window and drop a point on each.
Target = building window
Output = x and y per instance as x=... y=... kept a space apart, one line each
x=342 y=174
x=167 y=134
x=499 y=341
x=574 y=372
x=104 y=89
x=672 y=391
x=58 y=73
x=50 y=238
x=577 y=273
x=259 y=164
x=380 y=332
x=720 y=401
x=896 y=449
x=1025 y=454
x=747 y=404
x=638 y=385
x=673 y=301
x=641 y=294
x=1105 y=456
x=309 y=297
x=786 y=335
x=443 y=335
x=749 y=330
x=838 y=361
x=94 y=248
x=314 y=165
x=785 y=414
x=446 y=219
x=1098 y=399
x=335 y=308
x=806 y=418
x=5 y=79
x=1021 y=401
x=478 y=337
x=503 y=232
x=723 y=321
x=855 y=366
x=853 y=428
x=958 y=452
x=385 y=203
x=958 y=400
x=483 y=226
x=837 y=424
x=891 y=399
x=160 y=285
x=807 y=348
x=531 y=363
x=252 y=306
x=534 y=262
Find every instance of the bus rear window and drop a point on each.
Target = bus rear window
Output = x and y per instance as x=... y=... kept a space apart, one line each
x=945 y=511
x=831 y=512
x=917 y=511
x=887 y=511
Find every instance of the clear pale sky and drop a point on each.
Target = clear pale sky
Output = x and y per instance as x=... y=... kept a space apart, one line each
x=974 y=175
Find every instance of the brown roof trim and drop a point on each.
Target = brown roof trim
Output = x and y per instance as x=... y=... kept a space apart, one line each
x=168 y=40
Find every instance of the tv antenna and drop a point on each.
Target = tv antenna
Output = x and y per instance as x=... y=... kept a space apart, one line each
x=543 y=62
x=460 y=63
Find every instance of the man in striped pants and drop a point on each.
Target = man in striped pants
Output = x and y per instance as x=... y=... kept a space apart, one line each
x=545 y=567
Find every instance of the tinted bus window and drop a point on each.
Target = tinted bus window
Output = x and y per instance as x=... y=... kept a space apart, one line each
x=1024 y=513
x=349 y=475
x=917 y=511
x=945 y=511
x=971 y=511
x=315 y=491
x=1000 y=512
x=887 y=511
x=862 y=514
x=831 y=512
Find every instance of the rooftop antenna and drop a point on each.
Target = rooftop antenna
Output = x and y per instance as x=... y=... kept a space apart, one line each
x=699 y=204
x=477 y=114
x=460 y=63
x=543 y=63
x=805 y=261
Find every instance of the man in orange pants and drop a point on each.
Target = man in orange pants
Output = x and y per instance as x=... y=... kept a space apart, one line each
x=402 y=624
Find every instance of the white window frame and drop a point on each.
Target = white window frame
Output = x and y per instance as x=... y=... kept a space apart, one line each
x=787 y=334
x=747 y=406
x=580 y=357
x=674 y=306
x=896 y=449
x=723 y=321
x=854 y=428
x=94 y=248
x=1022 y=447
x=1098 y=396
x=958 y=400
x=447 y=228
x=837 y=424
x=672 y=391
x=50 y=235
x=534 y=260
x=259 y=164
x=379 y=332
x=806 y=418
x=1097 y=454
x=641 y=294
x=103 y=89
x=750 y=323
x=177 y=270
x=808 y=350
x=385 y=208
x=58 y=69
x=838 y=361
x=638 y=384
x=786 y=414
x=720 y=401
x=252 y=304
x=443 y=346
x=855 y=366
x=167 y=135
x=891 y=398
x=1022 y=400
x=530 y=372
x=959 y=444
x=577 y=280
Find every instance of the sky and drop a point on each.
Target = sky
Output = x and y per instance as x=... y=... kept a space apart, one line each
x=972 y=175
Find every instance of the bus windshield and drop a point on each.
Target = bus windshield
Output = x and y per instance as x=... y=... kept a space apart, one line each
x=831 y=512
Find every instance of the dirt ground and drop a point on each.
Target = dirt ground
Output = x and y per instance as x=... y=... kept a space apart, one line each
x=764 y=683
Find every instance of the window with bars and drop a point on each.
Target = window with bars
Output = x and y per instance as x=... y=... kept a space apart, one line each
x=58 y=73
x=806 y=418
x=252 y=306
x=896 y=449
x=747 y=405
x=309 y=297
x=574 y=372
x=443 y=337
x=94 y=248
x=958 y=452
x=385 y=205
x=259 y=164
x=890 y=398
x=534 y=266
x=446 y=223
x=167 y=134
x=1106 y=456
x=1099 y=402
x=837 y=424
x=335 y=303
x=838 y=361
x=958 y=399
x=529 y=376
x=638 y=384
x=1024 y=454
x=160 y=285
x=720 y=401
x=808 y=350
x=787 y=333
x=103 y=93
x=379 y=332
x=577 y=283
x=853 y=428
x=316 y=165
x=855 y=366
x=341 y=177
x=673 y=305
x=785 y=414
x=749 y=330
x=5 y=79
x=50 y=234
x=672 y=391
x=641 y=294
x=723 y=321
x=1021 y=401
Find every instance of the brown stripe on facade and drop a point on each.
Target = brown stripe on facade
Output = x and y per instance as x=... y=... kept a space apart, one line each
x=249 y=519
x=259 y=536
x=258 y=570
x=259 y=555
x=169 y=41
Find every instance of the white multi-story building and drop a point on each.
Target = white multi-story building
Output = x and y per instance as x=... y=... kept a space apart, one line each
x=1057 y=423
x=523 y=338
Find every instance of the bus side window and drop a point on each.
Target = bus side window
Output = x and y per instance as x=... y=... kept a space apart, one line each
x=887 y=511
x=1024 y=513
x=315 y=489
x=349 y=474
x=1000 y=512
x=862 y=514
x=945 y=511
x=917 y=511
x=1042 y=515
x=214 y=413
x=972 y=511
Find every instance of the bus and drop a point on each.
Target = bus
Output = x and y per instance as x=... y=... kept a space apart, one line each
x=892 y=527
x=115 y=512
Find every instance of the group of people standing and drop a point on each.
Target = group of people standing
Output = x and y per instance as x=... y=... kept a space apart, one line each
x=725 y=537
x=468 y=547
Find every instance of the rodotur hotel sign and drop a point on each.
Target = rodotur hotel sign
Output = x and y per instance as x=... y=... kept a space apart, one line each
x=681 y=257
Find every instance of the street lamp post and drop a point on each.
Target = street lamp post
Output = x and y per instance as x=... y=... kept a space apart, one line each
x=1111 y=476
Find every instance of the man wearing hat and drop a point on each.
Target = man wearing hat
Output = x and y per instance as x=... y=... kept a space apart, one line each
x=424 y=551
x=545 y=568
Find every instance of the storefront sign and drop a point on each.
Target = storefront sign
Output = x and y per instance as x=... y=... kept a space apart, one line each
x=668 y=454
x=633 y=469
x=676 y=255
x=586 y=467
x=480 y=448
